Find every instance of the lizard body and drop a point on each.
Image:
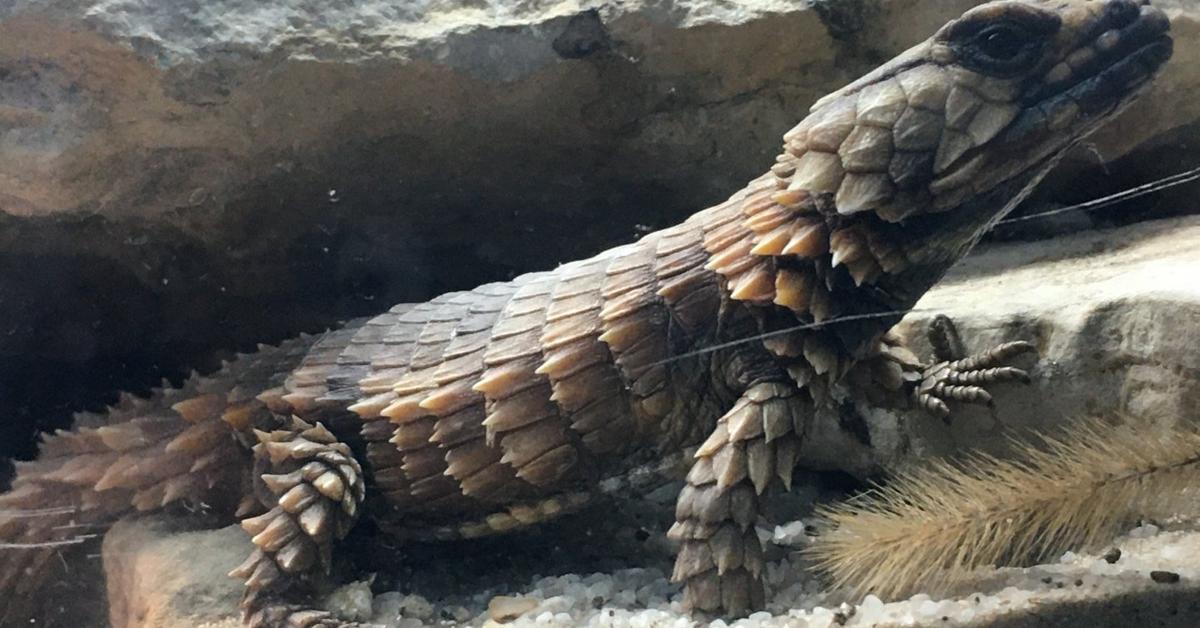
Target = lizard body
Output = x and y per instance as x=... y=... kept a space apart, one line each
x=487 y=410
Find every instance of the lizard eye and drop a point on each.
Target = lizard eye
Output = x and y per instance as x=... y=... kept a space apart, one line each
x=1001 y=43
x=1005 y=49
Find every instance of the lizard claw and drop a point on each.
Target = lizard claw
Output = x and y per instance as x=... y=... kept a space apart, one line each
x=964 y=380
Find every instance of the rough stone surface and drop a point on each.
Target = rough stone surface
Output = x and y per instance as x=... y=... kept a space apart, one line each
x=161 y=575
x=1116 y=315
x=180 y=178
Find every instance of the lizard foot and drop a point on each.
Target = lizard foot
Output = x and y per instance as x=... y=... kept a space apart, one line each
x=963 y=379
x=754 y=447
x=314 y=487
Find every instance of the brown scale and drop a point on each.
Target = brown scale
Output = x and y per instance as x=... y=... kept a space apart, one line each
x=587 y=384
x=635 y=328
x=390 y=366
x=543 y=447
x=729 y=243
x=307 y=382
x=520 y=415
x=785 y=252
x=691 y=298
x=369 y=341
x=354 y=363
x=387 y=363
x=459 y=432
x=691 y=294
x=424 y=462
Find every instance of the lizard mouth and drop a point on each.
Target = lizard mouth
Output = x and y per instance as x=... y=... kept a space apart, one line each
x=1123 y=50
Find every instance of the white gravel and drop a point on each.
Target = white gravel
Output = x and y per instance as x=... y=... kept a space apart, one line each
x=644 y=598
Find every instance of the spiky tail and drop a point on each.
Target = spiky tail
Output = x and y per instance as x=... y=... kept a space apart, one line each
x=141 y=455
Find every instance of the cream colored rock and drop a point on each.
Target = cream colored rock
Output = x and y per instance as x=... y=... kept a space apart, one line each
x=161 y=575
x=505 y=608
x=1115 y=316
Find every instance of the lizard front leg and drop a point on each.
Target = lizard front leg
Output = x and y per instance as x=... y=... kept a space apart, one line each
x=953 y=376
x=314 y=488
x=956 y=376
x=753 y=446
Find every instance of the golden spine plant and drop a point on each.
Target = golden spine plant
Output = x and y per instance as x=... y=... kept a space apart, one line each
x=929 y=529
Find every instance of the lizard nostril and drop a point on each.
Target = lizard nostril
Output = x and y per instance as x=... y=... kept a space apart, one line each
x=1154 y=19
x=1122 y=12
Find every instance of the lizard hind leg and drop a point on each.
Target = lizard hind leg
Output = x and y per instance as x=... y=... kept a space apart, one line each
x=753 y=447
x=316 y=489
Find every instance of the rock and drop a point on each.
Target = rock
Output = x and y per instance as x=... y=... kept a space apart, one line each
x=162 y=575
x=234 y=172
x=1115 y=316
x=1164 y=577
x=505 y=608
x=351 y=601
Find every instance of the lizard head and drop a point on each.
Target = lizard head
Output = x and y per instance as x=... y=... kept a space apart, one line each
x=893 y=178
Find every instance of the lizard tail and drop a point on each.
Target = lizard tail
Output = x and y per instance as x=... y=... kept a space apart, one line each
x=143 y=454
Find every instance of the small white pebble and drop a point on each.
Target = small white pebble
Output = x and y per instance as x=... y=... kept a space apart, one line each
x=927 y=609
x=386 y=606
x=556 y=604
x=352 y=601
x=1143 y=531
x=870 y=611
x=625 y=598
x=416 y=606
x=789 y=534
x=503 y=608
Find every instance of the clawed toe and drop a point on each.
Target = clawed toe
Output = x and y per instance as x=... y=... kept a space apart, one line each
x=964 y=380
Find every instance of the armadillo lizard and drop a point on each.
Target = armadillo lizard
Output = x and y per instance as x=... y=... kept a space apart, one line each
x=487 y=410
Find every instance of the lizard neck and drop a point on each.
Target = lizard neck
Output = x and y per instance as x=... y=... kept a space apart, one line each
x=794 y=260
x=804 y=290
x=808 y=267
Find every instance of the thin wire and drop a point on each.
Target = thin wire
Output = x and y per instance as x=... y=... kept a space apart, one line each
x=38 y=512
x=1105 y=201
x=787 y=330
x=47 y=544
